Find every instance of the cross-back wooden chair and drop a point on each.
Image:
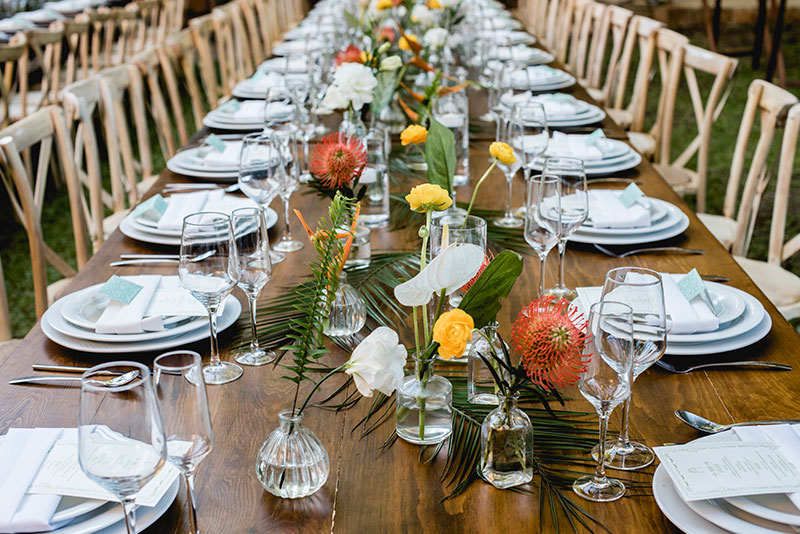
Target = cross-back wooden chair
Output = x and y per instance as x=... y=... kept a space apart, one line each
x=734 y=227
x=40 y=132
x=203 y=36
x=779 y=284
x=102 y=37
x=172 y=17
x=603 y=75
x=232 y=45
x=44 y=47
x=127 y=23
x=248 y=13
x=265 y=25
x=705 y=111
x=149 y=13
x=179 y=56
x=590 y=38
x=564 y=29
x=7 y=343
x=14 y=64
x=76 y=36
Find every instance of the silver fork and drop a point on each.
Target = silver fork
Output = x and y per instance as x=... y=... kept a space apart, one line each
x=763 y=365
x=179 y=188
x=650 y=250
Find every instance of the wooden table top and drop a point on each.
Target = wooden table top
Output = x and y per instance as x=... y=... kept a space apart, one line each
x=376 y=490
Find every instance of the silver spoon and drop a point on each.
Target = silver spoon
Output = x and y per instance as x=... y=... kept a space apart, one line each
x=764 y=365
x=710 y=427
x=113 y=382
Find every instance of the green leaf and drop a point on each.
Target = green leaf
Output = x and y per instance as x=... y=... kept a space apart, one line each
x=440 y=153
x=382 y=94
x=482 y=301
x=351 y=19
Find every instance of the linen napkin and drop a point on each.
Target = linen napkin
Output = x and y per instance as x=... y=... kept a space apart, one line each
x=248 y=111
x=22 y=453
x=227 y=159
x=787 y=438
x=573 y=146
x=687 y=317
x=119 y=318
x=261 y=81
x=558 y=105
x=183 y=204
x=606 y=211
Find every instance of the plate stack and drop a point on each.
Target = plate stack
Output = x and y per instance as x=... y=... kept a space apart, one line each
x=541 y=78
x=562 y=110
x=522 y=55
x=600 y=156
x=208 y=164
x=77 y=320
x=302 y=46
x=245 y=116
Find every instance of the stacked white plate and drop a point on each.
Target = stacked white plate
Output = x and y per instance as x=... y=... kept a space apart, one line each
x=148 y=231
x=41 y=16
x=298 y=47
x=258 y=85
x=70 y=321
x=521 y=54
x=616 y=156
x=757 y=514
x=584 y=112
x=284 y=64
x=191 y=162
x=504 y=37
x=742 y=322
x=541 y=78
x=15 y=24
x=225 y=118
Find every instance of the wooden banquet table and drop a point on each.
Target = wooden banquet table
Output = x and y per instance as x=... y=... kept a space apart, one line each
x=374 y=490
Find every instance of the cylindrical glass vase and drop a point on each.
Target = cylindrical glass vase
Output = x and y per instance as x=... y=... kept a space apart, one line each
x=507 y=445
x=481 y=387
x=424 y=406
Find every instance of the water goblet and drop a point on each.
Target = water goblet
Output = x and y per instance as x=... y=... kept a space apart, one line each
x=541 y=230
x=604 y=382
x=208 y=236
x=529 y=133
x=183 y=403
x=252 y=250
x=121 y=443
x=280 y=112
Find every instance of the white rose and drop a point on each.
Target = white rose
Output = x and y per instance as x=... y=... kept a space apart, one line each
x=448 y=271
x=423 y=16
x=435 y=37
x=333 y=99
x=353 y=83
x=391 y=63
x=377 y=362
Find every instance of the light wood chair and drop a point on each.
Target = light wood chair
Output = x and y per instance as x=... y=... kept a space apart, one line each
x=127 y=22
x=179 y=55
x=564 y=30
x=265 y=25
x=76 y=36
x=7 y=343
x=231 y=43
x=734 y=231
x=603 y=75
x=147 y=26
x=683 y=179
x=780 y=285
x=203 y=35
x=590 y=37
x=247 y=9
x=41 y=131
x=44 y=48
x=14 y=62
x=101 y=45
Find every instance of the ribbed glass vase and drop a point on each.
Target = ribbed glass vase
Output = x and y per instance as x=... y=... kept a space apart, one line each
x=348 y=310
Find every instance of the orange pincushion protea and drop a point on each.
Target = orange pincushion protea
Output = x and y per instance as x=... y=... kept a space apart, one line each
x=550 y=336
x=337 y=160
x=487 y=259
x=351 y=54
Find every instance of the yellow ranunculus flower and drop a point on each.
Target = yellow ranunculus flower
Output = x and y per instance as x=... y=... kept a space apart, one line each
x=403 y=43
x=385 y=4
x=413 y=135
x=434 y=4
x=503 y=153
x=428 y=196
x=452 y=331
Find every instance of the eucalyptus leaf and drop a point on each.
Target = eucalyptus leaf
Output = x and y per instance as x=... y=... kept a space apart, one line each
x=383 y=92
x=440 y=154
x=482 y=301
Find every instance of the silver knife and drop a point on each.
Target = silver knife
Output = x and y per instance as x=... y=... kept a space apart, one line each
x=66 y=369
x=43 y=379
x=142 y=262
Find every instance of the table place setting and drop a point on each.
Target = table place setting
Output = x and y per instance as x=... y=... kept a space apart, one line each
x=522 y=55
x=246 y=115
x=289 y=64
x=601 y=156
x=216 y=159
x=507 y=36
x=256 y=86
x=298 y=46
x=541 y=78
x=563 y=110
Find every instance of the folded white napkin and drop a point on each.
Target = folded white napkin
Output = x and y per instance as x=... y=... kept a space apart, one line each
x=787 y=438
x=22 y=453
x=572 y=146
x=227 y=159
x=261 y=81
x=182 y=204
x=606 y=211
x=119 y=318
x=248 y=111
x=280 y=64
x=558 y=105
x=686 y=317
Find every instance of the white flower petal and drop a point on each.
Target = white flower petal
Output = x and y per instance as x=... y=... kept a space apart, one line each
x=454 y=267
x=377 y=362
x=414 y=292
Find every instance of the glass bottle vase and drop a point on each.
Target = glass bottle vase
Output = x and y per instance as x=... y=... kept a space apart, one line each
x=292 y=462
x=507 y=445
x=352 y=124
x=348 y=312
x=424 y=405
x=481 y=387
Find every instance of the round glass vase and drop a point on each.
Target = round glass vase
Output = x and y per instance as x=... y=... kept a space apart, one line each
x=348 y=312
x=424 y=405
x=507 y=445
x=352 y=124
x=481 y=387
x=292 y=462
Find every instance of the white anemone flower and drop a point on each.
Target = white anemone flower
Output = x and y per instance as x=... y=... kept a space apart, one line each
x=377 y=362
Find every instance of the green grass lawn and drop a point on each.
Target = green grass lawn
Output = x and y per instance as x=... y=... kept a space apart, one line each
x=56 y=222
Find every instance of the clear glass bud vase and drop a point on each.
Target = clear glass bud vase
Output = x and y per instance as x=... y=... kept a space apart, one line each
x=348 y=310
x=481 y=387
x=352 y=124
x=292 y=462
x=424 y=405
x=507 y=445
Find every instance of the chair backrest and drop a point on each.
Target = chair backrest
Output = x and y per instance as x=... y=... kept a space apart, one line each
x=606 y=60
x=203 y=35
x=770 y=101
x=172 y=16
x=102 y=37
x=233 y=52
x=266 y=24
x=127 y=19
x=781 y=249
x=705 y=112
x=14 y=64
x=40 y=131
x=5 y=317
x=563 y=30
x=248 y=12
x=149 y=14
x=179 y=56
x=45 y=44
x=641 y=36
x=76 y=35
x=584 y=26
x=168 y=119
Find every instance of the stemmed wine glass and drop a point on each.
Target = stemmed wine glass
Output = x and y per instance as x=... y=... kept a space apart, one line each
x=121 y=443
x=299 y=85
x=209 y=269
x=280 y=112
x=508 y=220
x=258 y=164
x=643 y=291
x=574 y=210
x=287 y=184
x=252 y=250
x=605 y=382
x=183 y=403
x=541 y=230
x=529 y=134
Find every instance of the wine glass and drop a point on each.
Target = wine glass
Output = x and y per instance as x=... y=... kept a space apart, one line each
x=209 y=269
x=529 y=134
x=541 y=230
x=605 y=382
x=287 y=184
x=509 y=220
x=183 y=403
x=574 y=210
x=643 y=291
x=299 y=85
x=280 y=112
x=121 y=443
x=258 y=164
x=252 y=250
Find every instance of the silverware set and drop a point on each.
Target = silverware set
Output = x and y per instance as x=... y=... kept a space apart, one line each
x=143 y=259
x=710 y=427
x=114 y=380
x=649 y=250
x=184 y=188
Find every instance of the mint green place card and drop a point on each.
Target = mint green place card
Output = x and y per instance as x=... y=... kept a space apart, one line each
x=595 y=137
x=121 y=290
x=630 y=195
x=151 y=209
x=215 y=142
x=560 y=97
x=231 y=106
x=691 y=285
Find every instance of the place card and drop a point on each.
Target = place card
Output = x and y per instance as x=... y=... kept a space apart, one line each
x=120 y=289
x=231 y=106
x=630 y=195
x=729 y=469
x=215 y=142
x=692 y=286
x=151 y=209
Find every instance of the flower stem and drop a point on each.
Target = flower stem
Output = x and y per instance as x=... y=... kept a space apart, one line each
x=439 y=307
x=475 y=191
x=423 y=257
x=316 y=387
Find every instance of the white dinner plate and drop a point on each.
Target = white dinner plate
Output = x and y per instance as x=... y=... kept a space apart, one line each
x=676 y=510
x=623 y=164
x=213 y=121
x=229 y=315
x=724 y=345
x=740 y=312
x=635 y=239
x=279 y=64
x=773 y=507
x=582 y=120
x=560 y=83
x=189 y=162
x=71 y=507
x=508 y=36
x=304 y=46
x=660 y=213
x=227 y=205
x=524 y=56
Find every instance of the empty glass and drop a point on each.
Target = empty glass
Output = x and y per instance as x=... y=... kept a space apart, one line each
x=280 y=112
x=528 y=133
x=509 y=220
x=288 y=183
x=375 y=204
x=209 y=269
x=574 y=210
x=299 y=85
x=252 y=250
x=183 y=403
x=643 y=291
x=604 y=382
x=121 y=443
x=541 y=230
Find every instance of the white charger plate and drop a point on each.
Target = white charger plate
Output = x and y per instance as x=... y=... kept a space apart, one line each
x=625 y=164
x=583 y=120
x=732 y=519
x=129 y=227
x=661 y=212
x=635 y=239
x=676 y=510
x=740 y=313
x=724 y=345
x=229 y=315
x=773 y=507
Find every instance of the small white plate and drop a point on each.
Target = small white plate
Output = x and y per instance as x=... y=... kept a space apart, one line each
x=635 y=239
x=740 y=312
x=773 y=507
x=725 y=345
x=661 y=221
